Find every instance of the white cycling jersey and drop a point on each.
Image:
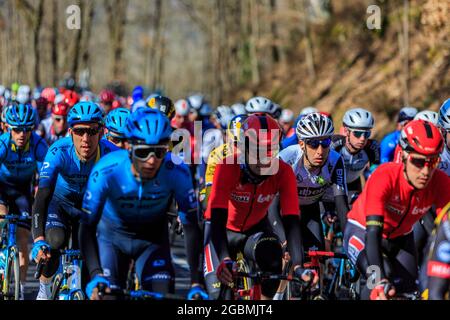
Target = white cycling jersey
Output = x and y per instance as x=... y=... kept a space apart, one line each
x=312 y=186
x=445 y=161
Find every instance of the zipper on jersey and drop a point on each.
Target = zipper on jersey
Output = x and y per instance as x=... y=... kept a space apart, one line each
x=404 y=216
x=251 y=207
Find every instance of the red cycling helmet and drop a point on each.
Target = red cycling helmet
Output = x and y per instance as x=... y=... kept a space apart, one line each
x=49 y=94
x=61 y=109
x=263 y=125
x=421 y=137
x=71 y=97
x=107 y=96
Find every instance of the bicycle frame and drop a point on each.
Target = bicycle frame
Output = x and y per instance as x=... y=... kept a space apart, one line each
x=71 y=265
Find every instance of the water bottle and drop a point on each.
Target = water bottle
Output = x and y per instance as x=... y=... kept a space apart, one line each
x=2 y=260
x=74 y=279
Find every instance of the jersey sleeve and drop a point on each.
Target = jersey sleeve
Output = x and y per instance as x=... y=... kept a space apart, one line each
x=387 y=148
x=185 y=195
x=95 y=196
x=376 y=193
x=3 y=151
x=53 y=162
x=339 y=179
x=223 y=182
x=288 y=191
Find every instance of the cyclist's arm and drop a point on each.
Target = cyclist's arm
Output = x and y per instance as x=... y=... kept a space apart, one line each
x=339 y=185
x=290 y=212
x=41 y=151
x=223 y=182
x=373 y=152
x=93 y=203
x=47 y=180
x=187 y=211
x=438 y=269
x=374 y=233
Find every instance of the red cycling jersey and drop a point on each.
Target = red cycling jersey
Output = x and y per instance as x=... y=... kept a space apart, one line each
x=248 y=203
x=388 y=193
x=398 y=154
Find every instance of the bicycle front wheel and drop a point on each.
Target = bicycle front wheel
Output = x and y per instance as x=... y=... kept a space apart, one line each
x=11 y=281
x=56 y=286
x=77 y=295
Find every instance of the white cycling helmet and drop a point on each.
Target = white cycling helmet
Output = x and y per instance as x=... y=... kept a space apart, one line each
x=2 y=90
x=308 y=110
x=314 y=125
x=444 y=115
x=287 y=116
x=224 y=114
x=358 y=118
x=428 y=115
x=182 y=107
x=238 y=109
x=24 y=89
x=407 y=114
x=260 y=104
x=196 y=101
x=22 y=98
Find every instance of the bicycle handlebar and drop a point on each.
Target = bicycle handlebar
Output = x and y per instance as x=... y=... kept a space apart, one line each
x=41 y=264
x=10 y=217
x=137 y=295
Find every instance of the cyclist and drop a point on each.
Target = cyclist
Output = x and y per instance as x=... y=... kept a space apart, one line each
x=131 y=222
x=49 y=94
x=163 y=104
x=62 y=183
x=220 y=153
x=444 y=124
x=42 y=106
x=318 y=170
x=237 y=210
x=293 y=140
x=438 y=268
x=287 y=121
x=238 y=109
x=355 y=147
x=55 y=127
x=390 y=141
x=21 y=155
x=115 y=124
x=379 y=230
x=107 y=98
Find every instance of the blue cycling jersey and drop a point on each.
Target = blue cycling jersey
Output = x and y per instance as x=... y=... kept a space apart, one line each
x=290 y=141
x=115 y=195
x=388 y=145
x=19 y=165
x=65 y=173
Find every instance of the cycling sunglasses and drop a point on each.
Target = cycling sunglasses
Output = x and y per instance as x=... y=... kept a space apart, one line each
x=358 y=134
x=143 y=153
x=314 y=144
x=116 y=140
x=22 y=129
x=419 y=163
x=82 y=131
x=59 y=118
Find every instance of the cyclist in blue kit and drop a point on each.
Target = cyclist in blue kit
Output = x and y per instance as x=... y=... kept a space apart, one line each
x=22 y=152
x=62 y=183
x=126 y=202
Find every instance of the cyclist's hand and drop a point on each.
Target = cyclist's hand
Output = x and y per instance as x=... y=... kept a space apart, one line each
x=224 y=272
x=92 y=288
x=197 y=293
x=40 y=251
x=382 y=291
x=310 y=276
x=329 y=217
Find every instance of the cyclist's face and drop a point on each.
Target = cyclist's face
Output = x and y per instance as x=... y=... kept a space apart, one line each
x=86 y=137
x=59 y=123
x=286 y=126
x=263 y=161
x=180 y=120
x=357 y=138
x=316 y=156
x=148 y=168
x=117 y=141
x=447 y=138
x=20 y=137
x=420 y=169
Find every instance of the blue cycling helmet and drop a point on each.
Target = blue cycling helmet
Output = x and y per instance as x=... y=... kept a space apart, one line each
x=85 y=112
x=116 y=120
x=444 y=115
x=147 y=126
x=20 y=115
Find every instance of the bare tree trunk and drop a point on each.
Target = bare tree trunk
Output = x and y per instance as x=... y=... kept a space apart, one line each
x=87 y=26
x=37 y=52
x=309 y=54
x=254 y=22
x=276 y=54
x=405 y=53
x=156 y=54
x=54 y=42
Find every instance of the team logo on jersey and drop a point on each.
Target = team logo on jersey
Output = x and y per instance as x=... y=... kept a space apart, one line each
x=420 y=211
x=88 y=195
x=443 y=252
x=355 y=246
x=397 y=211
x=209 y=266
x=159 y=263
x=267 y=198
x=241 y=197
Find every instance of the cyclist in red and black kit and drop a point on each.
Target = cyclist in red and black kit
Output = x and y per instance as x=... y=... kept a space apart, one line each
x=378 y=237
x=238 y=204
